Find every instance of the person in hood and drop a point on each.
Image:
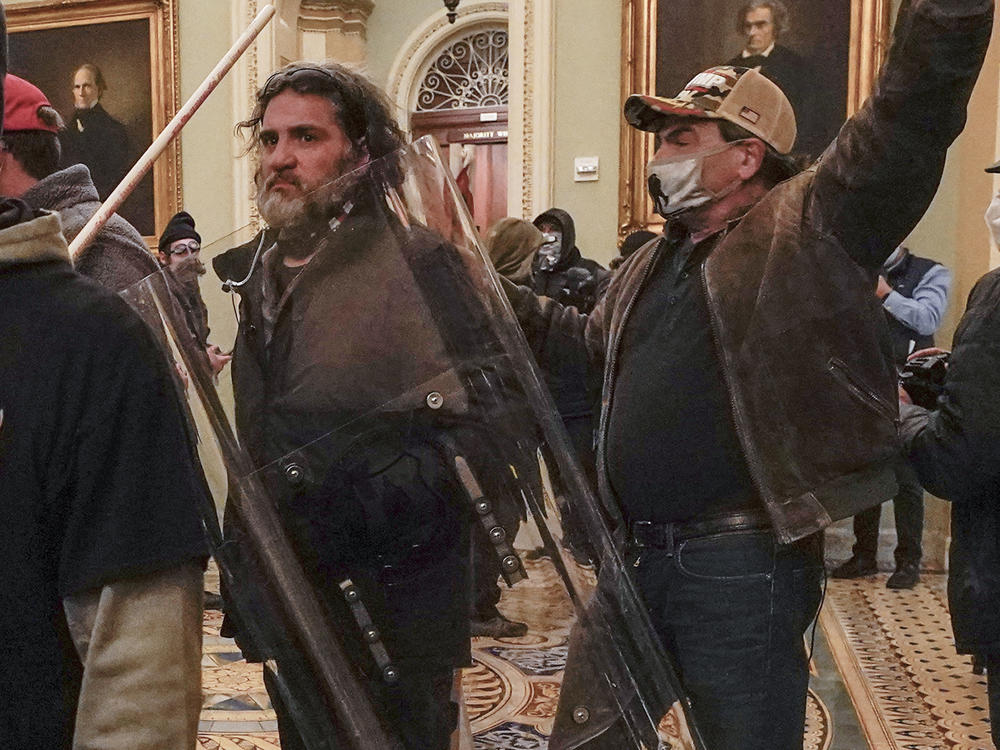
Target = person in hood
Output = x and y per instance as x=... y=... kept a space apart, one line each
x=512 y=245
x=559 y=270
x=629 y=245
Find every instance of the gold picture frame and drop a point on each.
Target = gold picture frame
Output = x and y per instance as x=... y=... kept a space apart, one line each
x=134 y=43
x=869 y=34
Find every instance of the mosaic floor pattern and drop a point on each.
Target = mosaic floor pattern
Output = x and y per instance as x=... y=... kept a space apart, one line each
x=885 y=676
x=910 y=690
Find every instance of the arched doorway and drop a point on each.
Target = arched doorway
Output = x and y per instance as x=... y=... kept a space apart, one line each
x=462 y=101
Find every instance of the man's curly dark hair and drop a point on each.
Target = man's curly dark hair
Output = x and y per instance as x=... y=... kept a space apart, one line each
x=361 y=109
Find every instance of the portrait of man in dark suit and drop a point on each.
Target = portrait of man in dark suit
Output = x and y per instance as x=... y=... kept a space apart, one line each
x=762 y=23
x=92 y=136
x=112 y=80
x=807 y=52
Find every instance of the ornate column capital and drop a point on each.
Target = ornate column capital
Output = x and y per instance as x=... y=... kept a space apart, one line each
x=343 y=16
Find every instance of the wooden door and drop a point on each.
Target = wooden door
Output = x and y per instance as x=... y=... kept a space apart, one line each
x=475 y=143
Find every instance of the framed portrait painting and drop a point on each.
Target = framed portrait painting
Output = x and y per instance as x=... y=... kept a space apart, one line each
x=109 y=68
x=824 y=55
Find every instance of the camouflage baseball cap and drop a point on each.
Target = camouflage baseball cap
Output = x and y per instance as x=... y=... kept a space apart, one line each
x=741 y=95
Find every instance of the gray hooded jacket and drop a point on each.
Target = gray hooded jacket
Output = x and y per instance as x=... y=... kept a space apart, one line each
x=118 y=257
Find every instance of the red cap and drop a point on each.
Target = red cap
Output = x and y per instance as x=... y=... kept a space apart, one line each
x=22 y=100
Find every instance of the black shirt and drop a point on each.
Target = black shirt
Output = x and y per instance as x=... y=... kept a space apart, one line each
x=284 y=276
x=97 y=478
x=673 y=453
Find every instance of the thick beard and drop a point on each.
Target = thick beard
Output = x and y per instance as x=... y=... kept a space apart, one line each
x=316 y=202
x=278 y=211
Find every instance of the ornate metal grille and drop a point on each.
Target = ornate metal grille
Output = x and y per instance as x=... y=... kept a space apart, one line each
x=472 y=72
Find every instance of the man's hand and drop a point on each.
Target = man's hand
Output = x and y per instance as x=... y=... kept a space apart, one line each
x=904 y=397
x=882 y=289
x=183 y=374
x=217 y=358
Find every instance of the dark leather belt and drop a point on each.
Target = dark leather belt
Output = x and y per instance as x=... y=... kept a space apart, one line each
x=666 y=535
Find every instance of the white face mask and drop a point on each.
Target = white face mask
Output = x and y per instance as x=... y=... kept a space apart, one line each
x=993 y=218
x=548 y=254
x=675 y=183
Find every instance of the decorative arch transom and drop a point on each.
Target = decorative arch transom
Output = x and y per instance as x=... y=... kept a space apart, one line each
x=471 y=72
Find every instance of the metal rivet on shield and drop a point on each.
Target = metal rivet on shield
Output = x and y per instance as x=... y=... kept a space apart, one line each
x=295 y=474
x=483 y=507
x=510 y=563
x=498 y=535
x=435 y=400
x=372 y=635
x=351 y=595
x=581 y=714
x=390 y=674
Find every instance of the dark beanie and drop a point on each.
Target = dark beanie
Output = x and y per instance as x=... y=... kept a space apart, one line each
x=180 y=227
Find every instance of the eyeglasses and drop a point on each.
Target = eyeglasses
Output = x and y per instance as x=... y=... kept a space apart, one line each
x=180 y=249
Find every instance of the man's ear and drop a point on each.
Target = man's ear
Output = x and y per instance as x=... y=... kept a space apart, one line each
x=753 y=151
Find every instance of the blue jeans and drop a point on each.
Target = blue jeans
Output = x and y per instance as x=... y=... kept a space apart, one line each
x=732 y=610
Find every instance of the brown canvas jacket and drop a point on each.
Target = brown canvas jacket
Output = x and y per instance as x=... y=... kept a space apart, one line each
x=789 y=285
x=326 y=353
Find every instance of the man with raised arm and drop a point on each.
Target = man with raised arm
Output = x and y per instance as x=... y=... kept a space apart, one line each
x=749 y=397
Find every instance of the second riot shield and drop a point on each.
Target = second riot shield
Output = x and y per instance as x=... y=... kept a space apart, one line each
x=401 y=501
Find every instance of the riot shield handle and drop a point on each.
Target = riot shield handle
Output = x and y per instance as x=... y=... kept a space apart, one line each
x=511 y=567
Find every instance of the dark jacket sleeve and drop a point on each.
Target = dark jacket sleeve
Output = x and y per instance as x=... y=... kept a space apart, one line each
x=878 y=177
x=955 y=449
x=559 y=336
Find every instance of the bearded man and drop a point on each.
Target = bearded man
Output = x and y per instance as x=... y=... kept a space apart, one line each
x=371 y=504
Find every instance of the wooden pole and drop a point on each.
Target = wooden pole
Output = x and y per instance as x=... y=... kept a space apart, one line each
x=129 y=182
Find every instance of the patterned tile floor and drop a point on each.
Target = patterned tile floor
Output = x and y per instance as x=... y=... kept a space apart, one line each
x=884 y=677
x=895 y=654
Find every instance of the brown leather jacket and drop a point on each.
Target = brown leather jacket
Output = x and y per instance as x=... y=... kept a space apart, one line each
x=799 y=333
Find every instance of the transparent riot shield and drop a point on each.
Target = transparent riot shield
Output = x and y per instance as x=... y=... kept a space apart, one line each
x=401 y=500
x=283 y=621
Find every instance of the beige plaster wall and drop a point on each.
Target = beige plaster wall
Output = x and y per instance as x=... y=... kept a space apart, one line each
x=208 y=148
x=588 y=118
x=211 y=154
x=390 y=23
